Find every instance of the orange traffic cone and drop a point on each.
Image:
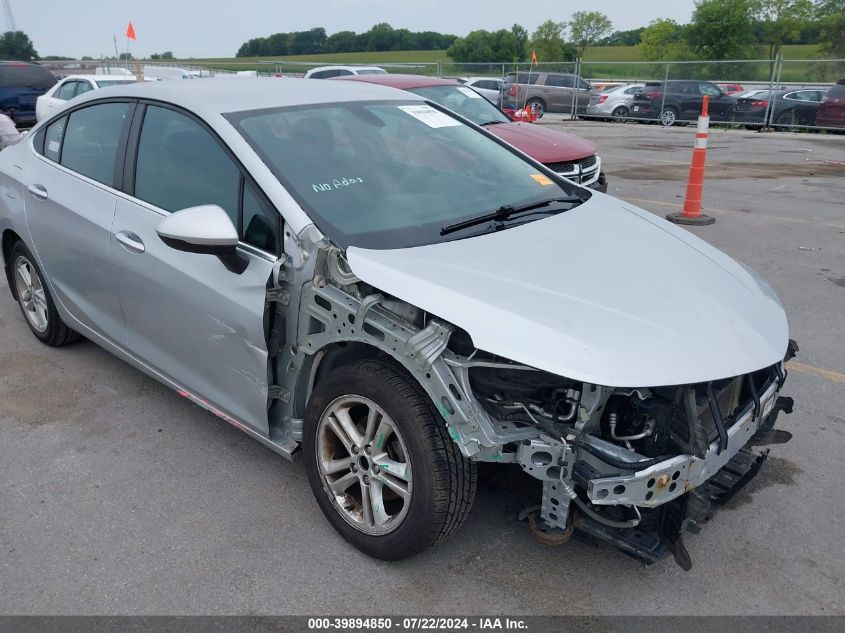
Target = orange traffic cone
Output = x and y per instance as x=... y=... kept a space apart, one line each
x=695 y=185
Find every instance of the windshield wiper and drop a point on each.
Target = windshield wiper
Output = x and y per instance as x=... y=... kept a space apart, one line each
x=505 y=213
x=490 y=123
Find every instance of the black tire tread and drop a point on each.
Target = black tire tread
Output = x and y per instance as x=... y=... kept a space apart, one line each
x=456 y=478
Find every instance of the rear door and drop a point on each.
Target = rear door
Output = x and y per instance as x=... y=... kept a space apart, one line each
x=557 y=92
x=187 y=316
x=72 y=191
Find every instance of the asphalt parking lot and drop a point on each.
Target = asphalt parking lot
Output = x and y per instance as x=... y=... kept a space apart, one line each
x=118 y=496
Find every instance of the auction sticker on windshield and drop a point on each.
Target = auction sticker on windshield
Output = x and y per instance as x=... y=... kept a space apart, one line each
x=543 y=180
x=430 y=116
x=472 y=94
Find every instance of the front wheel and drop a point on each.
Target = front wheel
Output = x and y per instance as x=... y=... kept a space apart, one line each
x=381 y=463
x=620 y=114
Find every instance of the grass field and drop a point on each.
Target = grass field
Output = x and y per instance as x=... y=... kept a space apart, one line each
x=605 y=62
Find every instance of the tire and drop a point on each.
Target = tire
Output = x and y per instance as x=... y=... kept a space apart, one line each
x=407 y=435
x=34 y=299
x=669 y=117
x=538 y=104
x=620 y=114
x=786 y=122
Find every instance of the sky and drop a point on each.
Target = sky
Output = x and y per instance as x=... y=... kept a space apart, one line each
x=214 y=28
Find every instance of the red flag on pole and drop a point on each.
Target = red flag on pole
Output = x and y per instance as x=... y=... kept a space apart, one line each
x=533 y=53
x=130 y=32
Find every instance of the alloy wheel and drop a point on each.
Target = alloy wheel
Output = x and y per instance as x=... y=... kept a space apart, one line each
x=363 y=461
x=31 y=294
x=668 y=117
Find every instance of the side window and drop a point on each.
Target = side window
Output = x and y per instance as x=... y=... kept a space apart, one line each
x=53 y=139
x=342 y=72
x=709 y=90
x=583 y=85
x=260 y=224
x=66 y=90
x=633 y=91
x=83 y=87
x=180 y=165
x=560 y=81
x=320 y=74
x=91 y=140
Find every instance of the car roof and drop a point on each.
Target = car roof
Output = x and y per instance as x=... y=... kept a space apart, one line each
x=345 y=68
x=402 y=82
x=238 y=94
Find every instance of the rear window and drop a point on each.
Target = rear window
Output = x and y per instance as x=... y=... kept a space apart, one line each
x=25 y=76
x=105 y=83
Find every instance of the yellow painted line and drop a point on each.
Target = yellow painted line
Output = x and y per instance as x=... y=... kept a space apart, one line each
x=676 y=205
x=801 y=368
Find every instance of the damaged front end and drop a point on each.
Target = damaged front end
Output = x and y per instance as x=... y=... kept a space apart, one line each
x=636 y=467
x=633 y=467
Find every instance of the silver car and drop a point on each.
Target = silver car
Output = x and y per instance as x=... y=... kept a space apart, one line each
x=613 y=104
x=488 y=87
x=354 y=275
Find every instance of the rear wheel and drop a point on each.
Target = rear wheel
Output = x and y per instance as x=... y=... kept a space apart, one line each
x=35 y=301
x=381 y=463
x=537 y=105
x=669 y=116
x=786 y=121
x=620 y=114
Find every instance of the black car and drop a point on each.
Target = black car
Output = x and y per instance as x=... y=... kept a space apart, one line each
x=21 y=83
x=787 y=109
x=680 y=101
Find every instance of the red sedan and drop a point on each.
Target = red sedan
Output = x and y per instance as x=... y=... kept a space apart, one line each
x=570 y=156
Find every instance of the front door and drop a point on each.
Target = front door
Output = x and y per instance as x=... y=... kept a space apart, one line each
x=187 y=316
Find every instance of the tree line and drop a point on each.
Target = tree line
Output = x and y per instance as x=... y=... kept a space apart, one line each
x=742 y=29
x=382 y=37
x=718 y=29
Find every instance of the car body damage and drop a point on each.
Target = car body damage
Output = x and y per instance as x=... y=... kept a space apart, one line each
x=629 y=449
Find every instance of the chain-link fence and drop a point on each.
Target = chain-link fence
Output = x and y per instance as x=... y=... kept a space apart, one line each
x=757 y=94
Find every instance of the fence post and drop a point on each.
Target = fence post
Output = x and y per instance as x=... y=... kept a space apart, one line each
x=665 y=89
x=769 y=109
x=574 y=105
x=777 y=83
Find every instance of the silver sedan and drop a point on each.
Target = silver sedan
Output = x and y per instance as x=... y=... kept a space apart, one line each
x=350 y=273
x=613 y=104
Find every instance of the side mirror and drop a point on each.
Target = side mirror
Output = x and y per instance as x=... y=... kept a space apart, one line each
x=206 y=230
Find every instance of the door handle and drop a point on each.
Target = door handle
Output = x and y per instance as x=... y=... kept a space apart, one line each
x=38 y=191
x=130 y=241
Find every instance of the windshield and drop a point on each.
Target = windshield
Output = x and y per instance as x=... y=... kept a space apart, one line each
x=465 y=102
x=388 y=175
